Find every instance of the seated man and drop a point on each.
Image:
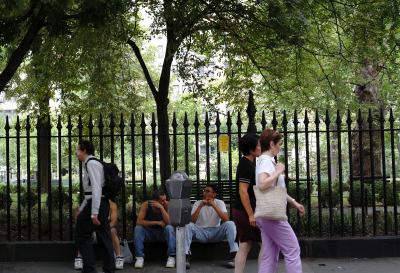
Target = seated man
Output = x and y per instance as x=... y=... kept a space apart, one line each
x=206 y=227
x=152 y=225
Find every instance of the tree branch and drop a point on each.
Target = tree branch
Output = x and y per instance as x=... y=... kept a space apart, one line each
x=19 y=53
x=146 y=72
x=23 y=17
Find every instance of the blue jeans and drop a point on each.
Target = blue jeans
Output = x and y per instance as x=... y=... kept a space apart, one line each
x=145 y=234
x=226 y=231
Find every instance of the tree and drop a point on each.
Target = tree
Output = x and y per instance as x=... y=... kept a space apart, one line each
x=204 y=23
x=34 y=27
x=342 y=51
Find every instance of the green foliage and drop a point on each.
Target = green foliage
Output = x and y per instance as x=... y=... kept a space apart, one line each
x=57 y=198
x=303 y=193
x=80 y=59
x=28 y=198
x=326 y=197
x=4 y=198
x=368 y=197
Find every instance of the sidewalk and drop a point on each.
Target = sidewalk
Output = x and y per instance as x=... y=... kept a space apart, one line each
x=381 y=265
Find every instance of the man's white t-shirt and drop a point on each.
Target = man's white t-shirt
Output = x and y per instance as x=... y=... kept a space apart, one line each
x=267 y=164
x=208 y=217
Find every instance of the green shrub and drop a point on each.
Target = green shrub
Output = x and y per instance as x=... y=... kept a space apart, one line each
x=5 y=200
x=389 y=193
x=356 y=199
x=335 y=197
x=56 y=197
x=303 y=196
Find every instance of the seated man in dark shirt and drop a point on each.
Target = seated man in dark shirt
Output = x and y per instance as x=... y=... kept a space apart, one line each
x=152 y=225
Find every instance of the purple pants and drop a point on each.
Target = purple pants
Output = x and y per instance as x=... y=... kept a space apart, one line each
x=278 y=236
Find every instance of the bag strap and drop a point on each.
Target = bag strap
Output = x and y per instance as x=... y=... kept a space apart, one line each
x=92 y=158
x=274 y=163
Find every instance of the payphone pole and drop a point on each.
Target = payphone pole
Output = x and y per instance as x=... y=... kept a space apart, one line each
x=180 y=250
x=179 y=187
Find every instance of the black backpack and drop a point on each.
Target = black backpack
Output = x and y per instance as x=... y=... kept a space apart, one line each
x=112 y=181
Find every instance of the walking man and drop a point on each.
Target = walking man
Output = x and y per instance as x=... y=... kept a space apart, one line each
x=93 y=212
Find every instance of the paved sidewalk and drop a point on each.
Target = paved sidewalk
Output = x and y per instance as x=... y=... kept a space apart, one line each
x=381 y=265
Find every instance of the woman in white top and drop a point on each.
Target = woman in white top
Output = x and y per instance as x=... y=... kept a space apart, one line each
x=277 y=235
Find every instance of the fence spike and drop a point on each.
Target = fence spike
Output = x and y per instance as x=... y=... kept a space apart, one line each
x=38 y=123
x=306 y=120
x=122 y=122
x=132 y=123
x=101 y=123
x=239 y=122
x=174 y=121
x=28 y=123
x=186 y=121
x=359 y=118
x=49 y=122
x=206 y=122
x=69 y=124
x=112 y=122
x=143 y=123
x=153 y=123
x=348 y=119
x=251 y=113
x=284 y=120
x=338 y=119
x=327 y=119
x=317 y=121
x=275 y=120
x=295 y=119
x=80 y=125
x=391 y=117
x=382 y=116
x=217 y=121
x=196 y=121
x=90 y=124
x=263 y=120
x=370 y=119
x=229 y=120
x=59 y=124
x=18 y=125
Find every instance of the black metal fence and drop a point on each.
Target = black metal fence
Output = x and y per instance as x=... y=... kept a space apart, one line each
x=342 y=167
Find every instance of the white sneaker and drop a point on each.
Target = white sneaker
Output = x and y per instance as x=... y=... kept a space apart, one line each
x=119 y=263
x=170 y=262
x=78 y=263
x=139 y=262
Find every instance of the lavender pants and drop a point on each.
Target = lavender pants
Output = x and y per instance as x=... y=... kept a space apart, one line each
x=278 y=236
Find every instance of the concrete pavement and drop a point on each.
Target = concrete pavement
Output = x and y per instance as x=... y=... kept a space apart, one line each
x=381 y=265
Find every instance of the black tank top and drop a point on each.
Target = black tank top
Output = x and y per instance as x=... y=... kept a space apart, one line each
x=151 y=215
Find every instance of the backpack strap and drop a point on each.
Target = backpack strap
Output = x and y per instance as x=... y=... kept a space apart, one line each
x=92 y=158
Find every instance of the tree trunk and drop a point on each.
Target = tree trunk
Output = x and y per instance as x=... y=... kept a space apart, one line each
x=367 y=93
x=334 y=153
x=163 y=141
x=44 y=154
x=162 y=113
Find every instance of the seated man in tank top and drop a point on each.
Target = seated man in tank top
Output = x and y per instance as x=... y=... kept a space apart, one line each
x=152 y=225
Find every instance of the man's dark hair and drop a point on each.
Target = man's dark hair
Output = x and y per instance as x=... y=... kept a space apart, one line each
x=248 y=143
x=213 y=186
x=86 y=145
x=157 y=194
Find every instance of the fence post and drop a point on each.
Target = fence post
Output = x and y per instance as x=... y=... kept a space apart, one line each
x=251 y=114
